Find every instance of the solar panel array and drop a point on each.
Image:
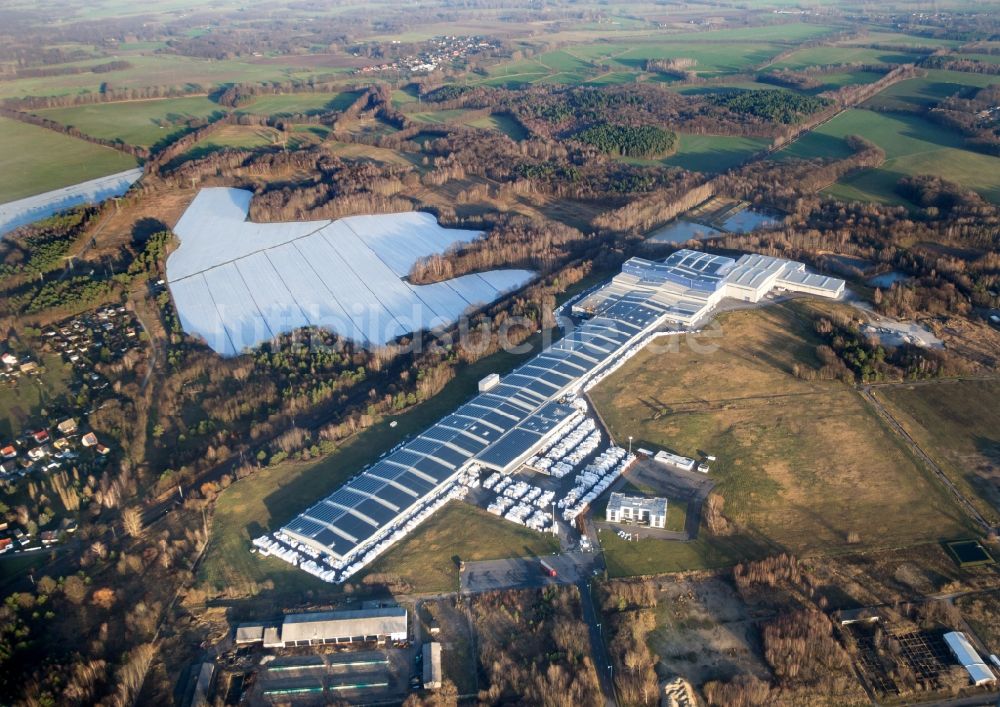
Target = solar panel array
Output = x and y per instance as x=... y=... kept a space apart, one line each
x=692 y=269
x=498 y=428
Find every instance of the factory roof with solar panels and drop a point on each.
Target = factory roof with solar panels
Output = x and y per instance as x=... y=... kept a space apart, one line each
x=514 y=414
x=689 y=284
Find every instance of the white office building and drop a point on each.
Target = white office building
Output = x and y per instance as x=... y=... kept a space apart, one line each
x=637 y=509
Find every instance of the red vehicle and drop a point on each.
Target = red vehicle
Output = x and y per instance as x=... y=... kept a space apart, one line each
x=548 y=569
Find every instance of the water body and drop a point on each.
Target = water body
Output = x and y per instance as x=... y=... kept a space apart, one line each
x=749 y=220
x=15 y=214
x=681 y=231
x=886 y=279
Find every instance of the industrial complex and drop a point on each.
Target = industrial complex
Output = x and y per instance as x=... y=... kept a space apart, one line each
x=525 y=418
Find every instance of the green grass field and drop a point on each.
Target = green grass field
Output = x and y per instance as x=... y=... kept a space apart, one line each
x=162 y=70
x=21 y=403
x=801 y=465
x=958 y=424
x=35 y=160
x=428 y=560
x=710 y=153
x=602 y=62
x=824 y=56
x=922 y=93
x=631 y=558
x=846 y=78
x=912 y=145
x=305 y=103
x=142 y=123
x=502 y=122
x=909 y=40
x=437 y=117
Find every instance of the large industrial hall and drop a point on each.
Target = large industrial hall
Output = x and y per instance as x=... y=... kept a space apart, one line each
x=514 y=416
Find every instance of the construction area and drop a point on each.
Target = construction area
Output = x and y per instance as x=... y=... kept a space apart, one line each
x=534 y=419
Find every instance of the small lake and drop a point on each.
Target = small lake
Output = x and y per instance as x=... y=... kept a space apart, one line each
x=749 y=220
x=680 y=231
x=886 y=279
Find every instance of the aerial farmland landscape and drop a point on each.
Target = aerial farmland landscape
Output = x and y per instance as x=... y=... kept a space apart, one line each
x=454 y=353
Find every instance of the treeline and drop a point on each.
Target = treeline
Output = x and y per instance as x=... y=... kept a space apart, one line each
x=646 y=141
x=951 y=63
x=681 y=68
x=787 y=78
x=42 y=72
x=643 y=214
x=107 y=94
x=515 y=241
x=242 y=94
x=117 y=144
x=976 y=117
x=159 y=162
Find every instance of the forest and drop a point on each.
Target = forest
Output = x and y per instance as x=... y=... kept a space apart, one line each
x=647 y=141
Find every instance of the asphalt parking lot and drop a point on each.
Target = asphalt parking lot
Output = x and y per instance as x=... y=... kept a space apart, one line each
x=526 y=572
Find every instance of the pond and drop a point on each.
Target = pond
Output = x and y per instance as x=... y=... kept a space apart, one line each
x=748 y=220
x=680 y=231
x=886 y=279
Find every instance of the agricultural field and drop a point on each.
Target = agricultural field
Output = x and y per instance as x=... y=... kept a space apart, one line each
x=245 y=137
x=775 y=436
x=161 y=70
x=710 y=153
x=141 y=123
x=437 y=117
x=34 y=160
x=825 y=56
x=903 y=40
x=922 y=93
x=620 y=60
x=912 y=145
x=428 y=560
x=304 y=103
x=958 y=424
x=502 y=122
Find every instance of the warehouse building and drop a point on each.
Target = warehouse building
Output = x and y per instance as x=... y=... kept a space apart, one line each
x=432 y=665
x=689 y=284
x=249 y=633
x=968 y=657
x=360 y=626
x=513 y=415
x=675 y=460
x=637 y=509
x=328 y=627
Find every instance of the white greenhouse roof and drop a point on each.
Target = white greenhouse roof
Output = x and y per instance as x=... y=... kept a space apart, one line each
x=237 y=283
x=969 y=658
